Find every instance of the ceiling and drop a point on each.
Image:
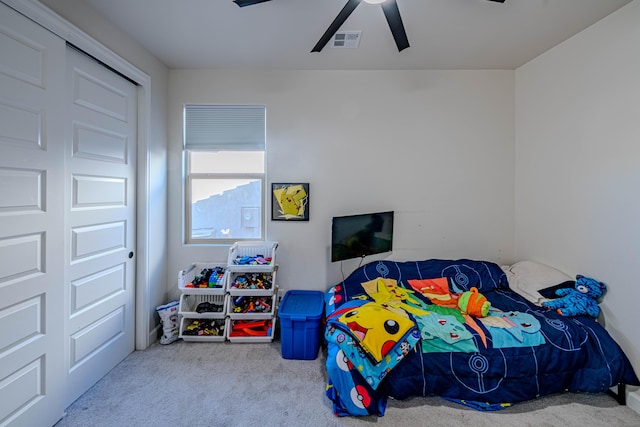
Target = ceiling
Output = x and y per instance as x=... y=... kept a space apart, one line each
x=443 y=34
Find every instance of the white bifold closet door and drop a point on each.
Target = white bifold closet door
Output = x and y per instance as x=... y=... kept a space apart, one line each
x=67 y=221
x=32 y=127
x=100 y=221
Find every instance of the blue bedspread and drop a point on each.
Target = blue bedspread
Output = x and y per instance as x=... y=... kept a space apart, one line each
x=518 y=352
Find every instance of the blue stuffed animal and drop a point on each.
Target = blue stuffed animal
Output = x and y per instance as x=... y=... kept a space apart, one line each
x=583 y=299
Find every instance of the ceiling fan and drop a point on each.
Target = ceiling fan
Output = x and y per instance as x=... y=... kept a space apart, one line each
x=389 y=7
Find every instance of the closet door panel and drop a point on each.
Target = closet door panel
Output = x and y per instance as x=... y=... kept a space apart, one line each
x=32 y=80
x=100 y=215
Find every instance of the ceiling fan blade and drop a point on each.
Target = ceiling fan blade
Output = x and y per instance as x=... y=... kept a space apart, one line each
x=336 y=24
x=392 y=13
x=499 y=1
x=243 y=3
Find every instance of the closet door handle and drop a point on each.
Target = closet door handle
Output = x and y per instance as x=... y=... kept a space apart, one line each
x=130 y=255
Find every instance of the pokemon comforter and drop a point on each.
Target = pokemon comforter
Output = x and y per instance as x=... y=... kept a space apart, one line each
x=396 y=329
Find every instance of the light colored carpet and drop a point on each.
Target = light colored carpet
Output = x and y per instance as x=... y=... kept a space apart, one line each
x=231 y=384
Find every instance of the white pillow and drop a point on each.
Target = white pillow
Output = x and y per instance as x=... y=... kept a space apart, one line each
x=528 y=277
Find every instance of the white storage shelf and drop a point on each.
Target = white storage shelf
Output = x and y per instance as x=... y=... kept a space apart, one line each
x=246 y=292
x=201 y=306
x=188 y=275
x=235 y=330
x=252 y=283
x=248 y=307
x=207 y=330
x=252 y=249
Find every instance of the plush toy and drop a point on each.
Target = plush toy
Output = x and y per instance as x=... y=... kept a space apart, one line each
x=474 y=303
x=583 y=299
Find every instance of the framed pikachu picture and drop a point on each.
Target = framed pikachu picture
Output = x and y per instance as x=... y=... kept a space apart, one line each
x=290 y=202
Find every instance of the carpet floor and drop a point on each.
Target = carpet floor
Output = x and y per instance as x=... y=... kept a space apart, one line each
x=231 y=384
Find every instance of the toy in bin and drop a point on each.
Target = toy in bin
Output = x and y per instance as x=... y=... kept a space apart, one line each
x=208 y=278
x=252 y=260
x=251 y=328
x=209 y=307
x=300 y=316
x=245 y=304
x=205 y=327
x=252 y=281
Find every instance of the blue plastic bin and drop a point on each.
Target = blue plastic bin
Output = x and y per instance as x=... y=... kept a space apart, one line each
x=300 y=315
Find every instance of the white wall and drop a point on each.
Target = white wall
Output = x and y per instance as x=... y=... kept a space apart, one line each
x=578 y=164
x=438 y=148
x=85 y=18
x=434 y=146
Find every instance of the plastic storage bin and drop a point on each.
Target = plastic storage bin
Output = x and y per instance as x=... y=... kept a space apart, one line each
x=216 y=286
x=197 y=306
x=250 y=330
x=203 y=330
x=300 y=316
x=253 y=283
x=251 y=307
x=252 y=249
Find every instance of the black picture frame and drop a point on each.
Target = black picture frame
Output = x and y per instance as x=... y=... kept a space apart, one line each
x=289 y=201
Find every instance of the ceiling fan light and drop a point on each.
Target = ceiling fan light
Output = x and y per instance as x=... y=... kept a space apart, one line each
x=374 y=1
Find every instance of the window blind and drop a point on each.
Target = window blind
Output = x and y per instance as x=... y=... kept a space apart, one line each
x=224 y=127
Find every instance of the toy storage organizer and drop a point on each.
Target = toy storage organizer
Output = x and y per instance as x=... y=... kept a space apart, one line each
x=203 y=306
x=241 y=303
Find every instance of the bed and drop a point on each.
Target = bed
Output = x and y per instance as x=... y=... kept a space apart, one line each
x=394 y=329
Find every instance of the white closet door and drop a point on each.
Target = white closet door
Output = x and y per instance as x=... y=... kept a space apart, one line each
x=32 y=77
x=100 y=221
x=67 y=221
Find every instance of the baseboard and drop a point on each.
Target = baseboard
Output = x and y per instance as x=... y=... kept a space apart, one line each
x=153 y=335
x=633 y=400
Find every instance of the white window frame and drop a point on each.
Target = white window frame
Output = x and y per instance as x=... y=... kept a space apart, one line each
x=221 y=145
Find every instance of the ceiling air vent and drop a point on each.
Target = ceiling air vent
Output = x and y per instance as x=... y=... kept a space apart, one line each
x=346 y=39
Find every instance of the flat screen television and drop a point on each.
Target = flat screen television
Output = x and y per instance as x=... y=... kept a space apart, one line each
x=356 y=236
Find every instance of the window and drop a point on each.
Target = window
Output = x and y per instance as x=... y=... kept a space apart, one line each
x=225 y=173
